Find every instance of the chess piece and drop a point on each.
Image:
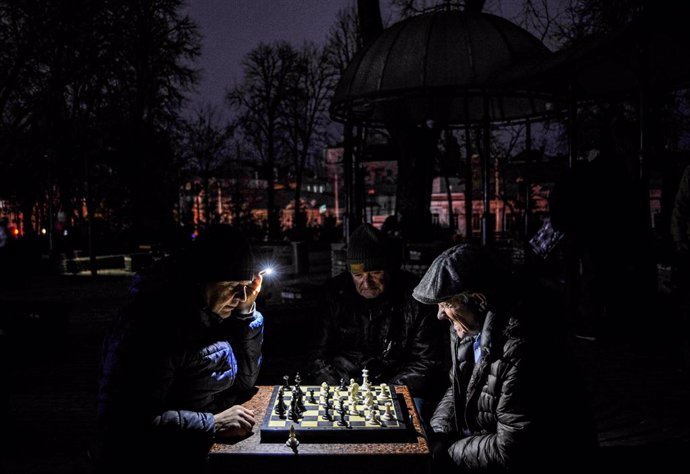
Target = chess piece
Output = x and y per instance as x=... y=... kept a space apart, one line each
x=297 y=388
x=354 y=390
x=342 y=421
x=353 y=408
x=324 y=389
x=387 y=416
x=365 y=377
x=292 y=441
x=383 y=395
x=280 y=405
x=311 y=396
x=369 y=399
x=342 y=384
x=375 y=419
x=286 y=382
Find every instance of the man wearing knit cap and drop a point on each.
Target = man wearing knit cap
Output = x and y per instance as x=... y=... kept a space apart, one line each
x=515 y=403
x=370 y=320
x=179 y=357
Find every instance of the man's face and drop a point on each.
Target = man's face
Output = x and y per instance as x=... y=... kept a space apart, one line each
x=465 y=321
x=370 y=284
x=224 y=296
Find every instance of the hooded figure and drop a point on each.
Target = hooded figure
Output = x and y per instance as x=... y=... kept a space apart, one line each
x=516 y=402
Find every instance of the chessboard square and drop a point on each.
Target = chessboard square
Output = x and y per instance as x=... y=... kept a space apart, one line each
x=276 y=423
x=310 y=413
x=309 y=424
x=354 y=418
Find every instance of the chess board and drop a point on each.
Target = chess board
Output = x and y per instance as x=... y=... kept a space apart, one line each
x=312 y=426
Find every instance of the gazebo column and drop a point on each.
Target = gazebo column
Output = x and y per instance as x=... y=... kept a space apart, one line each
x=487 y=222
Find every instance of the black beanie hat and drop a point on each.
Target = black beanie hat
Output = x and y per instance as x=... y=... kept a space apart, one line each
x=221 y=253
x=367 y=250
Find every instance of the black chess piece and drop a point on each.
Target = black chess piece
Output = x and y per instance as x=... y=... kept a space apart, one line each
x=300 y=401
x=286 y=382
x=311 y=396
x=280 y=405
x=343 y=384
x=342 y=421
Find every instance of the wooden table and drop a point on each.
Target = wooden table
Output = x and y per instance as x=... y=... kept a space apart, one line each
x=251 y=456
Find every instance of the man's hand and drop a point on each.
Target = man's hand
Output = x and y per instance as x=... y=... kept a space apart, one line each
x=250 y=292
x=234 y=422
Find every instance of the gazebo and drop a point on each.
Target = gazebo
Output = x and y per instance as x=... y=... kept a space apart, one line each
x=439 y=70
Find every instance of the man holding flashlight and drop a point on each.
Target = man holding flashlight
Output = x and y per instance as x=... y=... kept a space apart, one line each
x=180 y=356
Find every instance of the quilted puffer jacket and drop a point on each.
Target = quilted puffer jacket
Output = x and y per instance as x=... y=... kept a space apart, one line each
x=397 y=338
x=522 y=407
x=168 y=365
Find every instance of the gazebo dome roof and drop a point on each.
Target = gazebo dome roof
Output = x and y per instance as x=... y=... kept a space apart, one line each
x=439 y=66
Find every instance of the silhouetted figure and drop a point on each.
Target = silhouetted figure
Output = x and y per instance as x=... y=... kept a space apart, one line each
x=517 y=402
x=179 y=355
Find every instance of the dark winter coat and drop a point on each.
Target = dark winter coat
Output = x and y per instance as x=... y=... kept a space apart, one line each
x=397 y=338
x=521 y=407
x=169 y=365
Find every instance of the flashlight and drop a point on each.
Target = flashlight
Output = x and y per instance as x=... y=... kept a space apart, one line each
x=266 y=271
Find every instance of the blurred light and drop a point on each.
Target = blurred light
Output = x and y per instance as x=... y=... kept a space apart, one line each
x=43 y=231
x=266 y=271
x=15 y=232
x=65 y=232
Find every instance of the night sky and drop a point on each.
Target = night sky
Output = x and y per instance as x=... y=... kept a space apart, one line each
x=231 y=28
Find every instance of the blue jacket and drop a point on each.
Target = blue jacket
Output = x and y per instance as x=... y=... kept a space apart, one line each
x=168 y=365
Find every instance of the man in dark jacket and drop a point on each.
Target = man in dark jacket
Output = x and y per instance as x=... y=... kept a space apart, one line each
x=179 y=356
x=515 y=402
x=370 y=320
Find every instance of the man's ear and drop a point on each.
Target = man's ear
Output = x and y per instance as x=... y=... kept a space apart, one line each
x=477 y=302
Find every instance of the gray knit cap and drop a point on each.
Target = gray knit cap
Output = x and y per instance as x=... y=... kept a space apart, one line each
x=366 y=251
x=461 y=268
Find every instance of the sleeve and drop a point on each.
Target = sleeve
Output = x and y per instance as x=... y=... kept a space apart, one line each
x=421 y=370
x=137 y=371
x=246 y=339
x=442 y=420
x=679 y=215
x=509 y=446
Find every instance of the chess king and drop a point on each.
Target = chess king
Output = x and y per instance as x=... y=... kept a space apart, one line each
x=370 y=320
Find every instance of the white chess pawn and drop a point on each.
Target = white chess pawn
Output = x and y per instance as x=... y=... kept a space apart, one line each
x=383 y=394
x=324 y=389
x=375 y=420
x=388 y=416
x=292 y=441
x=365 y=379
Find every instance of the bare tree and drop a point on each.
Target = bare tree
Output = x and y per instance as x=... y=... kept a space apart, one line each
x=205 y=146
x=269 y=76
x=344 y=39
x=306 y=116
